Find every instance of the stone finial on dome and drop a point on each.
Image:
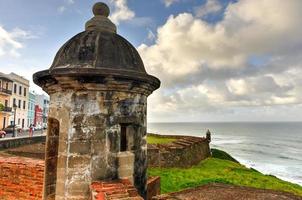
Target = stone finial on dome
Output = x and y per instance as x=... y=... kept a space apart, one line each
x=100 y=21
x=101 y=8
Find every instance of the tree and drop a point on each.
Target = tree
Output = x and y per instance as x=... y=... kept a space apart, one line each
x=1 y=107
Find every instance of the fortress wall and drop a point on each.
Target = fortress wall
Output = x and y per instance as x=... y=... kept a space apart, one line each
x=184 y=152
x=21 y=178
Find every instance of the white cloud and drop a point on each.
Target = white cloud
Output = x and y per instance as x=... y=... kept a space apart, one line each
x=10 y=41
x=67 y=3
x=61 y=9
x=238 y=87
x=151 y=36
x=210 y=7
x=169 y=2
x=70 y=1
x=121 y=11
x=206 y=66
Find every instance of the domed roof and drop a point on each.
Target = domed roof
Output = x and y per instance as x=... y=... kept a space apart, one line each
x=98 y=51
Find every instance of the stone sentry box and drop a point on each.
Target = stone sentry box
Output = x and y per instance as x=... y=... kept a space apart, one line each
x=98 y=91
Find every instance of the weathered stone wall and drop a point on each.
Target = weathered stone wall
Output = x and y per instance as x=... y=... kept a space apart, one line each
x=153 y=185
x=114 y=190
x=88 y=140
x=19 y=141
x=21 y=178
x=184 y=152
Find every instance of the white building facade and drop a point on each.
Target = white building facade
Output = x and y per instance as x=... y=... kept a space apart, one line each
x=19 y=97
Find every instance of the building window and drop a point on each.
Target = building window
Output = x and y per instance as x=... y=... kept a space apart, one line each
x=19 y=121
x=25 y=92
x=4 y=122
x=123 y=144
x=20 y=90
x=14 y=102
x=6 y=103
x=6 y=86
x=24 y=105
x=15 y=88
x=19 y=104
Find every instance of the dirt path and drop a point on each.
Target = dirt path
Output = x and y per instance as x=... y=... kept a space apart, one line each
x=228 y=192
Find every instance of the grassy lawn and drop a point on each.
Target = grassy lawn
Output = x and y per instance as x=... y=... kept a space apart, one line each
x=151 y=139
x=222 y=171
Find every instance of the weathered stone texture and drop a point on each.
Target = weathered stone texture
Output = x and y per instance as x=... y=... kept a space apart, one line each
x=21 y=178
x=90 y=138
x=153 y=185
x=114 y=190
x=186 y=151
x=98 y=88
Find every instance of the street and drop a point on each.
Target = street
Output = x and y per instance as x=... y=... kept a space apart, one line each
x=25 y=133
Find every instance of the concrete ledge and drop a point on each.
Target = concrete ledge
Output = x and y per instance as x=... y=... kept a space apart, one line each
x=20 y=141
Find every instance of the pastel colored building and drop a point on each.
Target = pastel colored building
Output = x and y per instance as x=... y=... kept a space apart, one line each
x=38 y=119
x=43 y=101
x=31 y=108
x=6 y=85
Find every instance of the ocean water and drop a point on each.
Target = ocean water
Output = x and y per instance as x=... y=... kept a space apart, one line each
x=270 y=147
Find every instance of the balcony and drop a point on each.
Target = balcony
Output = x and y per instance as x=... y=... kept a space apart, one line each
x=5 y=91
x=6 y=109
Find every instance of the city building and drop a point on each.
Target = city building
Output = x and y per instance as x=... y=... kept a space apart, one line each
x=19 y=97
x=6 y=85
x=31 y=108
x=38 y=119
x=43 y=101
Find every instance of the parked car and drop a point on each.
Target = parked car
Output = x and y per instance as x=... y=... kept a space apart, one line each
x=2 y=134
x=10 y=128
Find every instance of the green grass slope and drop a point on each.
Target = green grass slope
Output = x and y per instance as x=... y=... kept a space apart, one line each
x=220 y=169
x=152 y=139
x=216 y=153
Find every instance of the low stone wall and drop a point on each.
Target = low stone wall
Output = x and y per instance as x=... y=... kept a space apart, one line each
x=114 y=190
x=21 y=178
x=184 y=152
x=19 y=141
x=153 y=187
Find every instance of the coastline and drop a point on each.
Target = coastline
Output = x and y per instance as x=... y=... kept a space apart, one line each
x=267 y=147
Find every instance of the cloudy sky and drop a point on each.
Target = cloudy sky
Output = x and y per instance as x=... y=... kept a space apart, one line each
x=218 y=60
